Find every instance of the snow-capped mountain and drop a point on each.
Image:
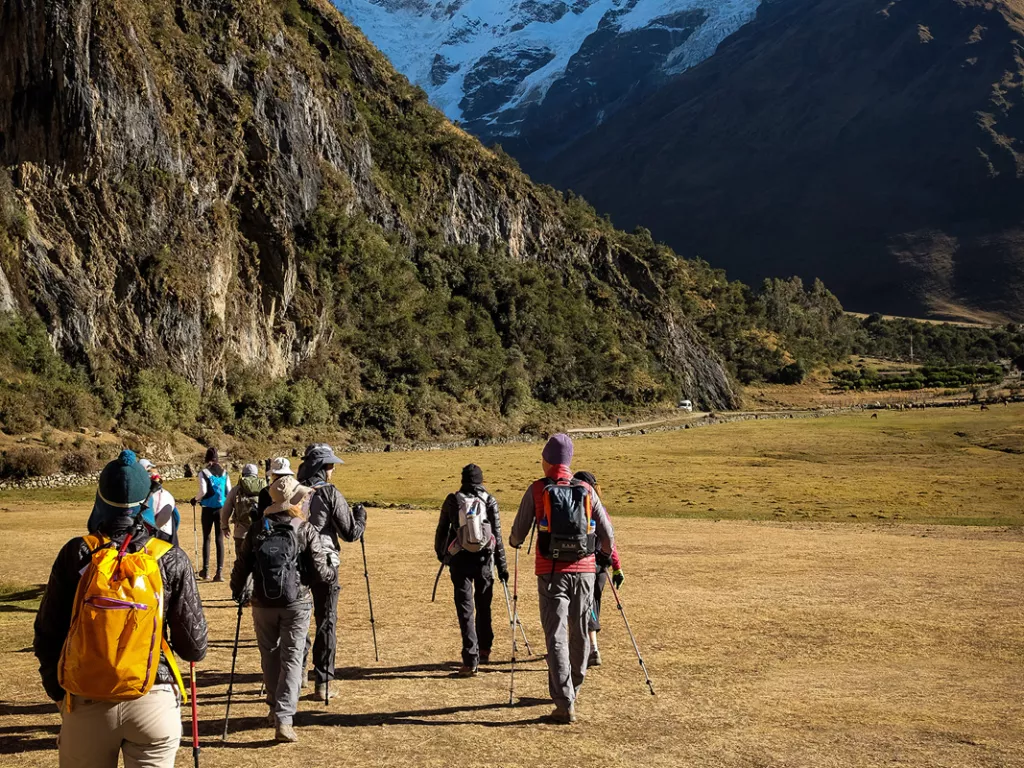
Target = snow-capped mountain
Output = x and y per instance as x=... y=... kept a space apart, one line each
x=543 y=70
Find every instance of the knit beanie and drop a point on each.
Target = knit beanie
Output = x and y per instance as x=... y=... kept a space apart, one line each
x=124 y=484
x=472 y=475
x=558 y=450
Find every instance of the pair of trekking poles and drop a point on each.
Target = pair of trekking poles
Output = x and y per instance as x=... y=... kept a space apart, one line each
x=327 y=684
x=514 y=620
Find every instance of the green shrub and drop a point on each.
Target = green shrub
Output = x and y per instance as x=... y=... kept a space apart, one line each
x=22 y=463
x=79 y=462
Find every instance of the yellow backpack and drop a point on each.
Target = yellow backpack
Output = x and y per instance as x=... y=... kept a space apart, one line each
x=117 y=627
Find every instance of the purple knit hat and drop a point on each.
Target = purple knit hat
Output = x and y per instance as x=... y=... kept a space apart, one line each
x=558 y=450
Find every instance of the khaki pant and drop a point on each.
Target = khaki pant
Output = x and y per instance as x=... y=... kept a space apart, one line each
x=564 y=613
x=147 y=731
x=281 y=636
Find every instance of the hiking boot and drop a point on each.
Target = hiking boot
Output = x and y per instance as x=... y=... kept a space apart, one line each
x=321 y=692
x=595 y=658
x=563 y=715
x=218 y=576
x=467 y=671
x=285 y=733
x=203 y=574
x=485 y=657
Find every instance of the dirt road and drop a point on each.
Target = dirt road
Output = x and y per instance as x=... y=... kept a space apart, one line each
x=770 y=645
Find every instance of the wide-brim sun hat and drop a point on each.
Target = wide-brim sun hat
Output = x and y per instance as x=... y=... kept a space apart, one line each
x=281 y=467
x=286 y=493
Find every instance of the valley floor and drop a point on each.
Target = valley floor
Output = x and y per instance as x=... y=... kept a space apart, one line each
x=838 y=624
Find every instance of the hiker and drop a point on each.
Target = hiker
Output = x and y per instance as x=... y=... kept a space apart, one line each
x=604 y=565
x=97 y=663
x=571 y=525
x=285 y=556
x=468 y=538
x=214 y=486
x=165 y=509
x=242 y=506
x=330 y=516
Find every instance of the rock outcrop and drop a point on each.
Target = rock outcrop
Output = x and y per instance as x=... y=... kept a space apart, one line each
x=164 y=159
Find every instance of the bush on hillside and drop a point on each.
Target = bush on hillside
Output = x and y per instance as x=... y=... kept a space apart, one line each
x=23 y=463
x=79 y=462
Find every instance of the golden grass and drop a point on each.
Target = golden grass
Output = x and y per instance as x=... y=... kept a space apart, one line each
x=770 y=644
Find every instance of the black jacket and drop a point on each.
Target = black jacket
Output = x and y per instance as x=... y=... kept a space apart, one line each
x=313 y=565
x=448 y=526
x=330 y=514
x=184 y=621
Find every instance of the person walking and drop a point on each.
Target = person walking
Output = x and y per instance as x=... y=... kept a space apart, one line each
x=468 y=538
x=242 y=506
x=214 y=486
x=330 y=516
x=112 y=700
x=165 y=509
x=571 y=526
x=284 y=555
x=604 y=565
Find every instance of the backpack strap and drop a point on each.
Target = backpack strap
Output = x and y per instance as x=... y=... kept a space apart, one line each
x=157 y=548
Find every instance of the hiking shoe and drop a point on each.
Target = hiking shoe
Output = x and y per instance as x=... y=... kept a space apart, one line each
x=218 y=576
x=203 y=575
x=321 y=692
x=563 y=716
x=595 y=658
x=285 y=733
x=467 y=671
x=485 y=657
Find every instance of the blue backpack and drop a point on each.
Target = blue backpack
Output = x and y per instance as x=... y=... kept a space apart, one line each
x=216 y=490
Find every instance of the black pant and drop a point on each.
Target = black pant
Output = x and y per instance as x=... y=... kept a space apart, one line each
x=595 y=613
x=325 y=641
x=211 y=525
x=473 y=577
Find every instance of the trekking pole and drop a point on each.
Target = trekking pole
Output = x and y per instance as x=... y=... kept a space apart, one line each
x=369 y=598
x=231 y=678
x=195 y=532
x=518 y=621
x=515 y=644
x=195 y=715
x=636 y=648
x=530 y=546
x=437 y=580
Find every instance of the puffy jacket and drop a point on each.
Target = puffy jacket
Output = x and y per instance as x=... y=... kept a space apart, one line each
x=184 y=620
x=331 y=516
x=313 y=565
x=448 y=525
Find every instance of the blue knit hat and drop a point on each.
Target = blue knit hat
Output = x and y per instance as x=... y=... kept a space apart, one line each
x=124 y=485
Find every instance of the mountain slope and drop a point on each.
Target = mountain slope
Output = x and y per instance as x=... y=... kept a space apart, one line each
x=236 y=192
x=874 y=144
x=535 y=74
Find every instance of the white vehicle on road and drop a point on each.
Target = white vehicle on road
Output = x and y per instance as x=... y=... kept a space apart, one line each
x=686 y=405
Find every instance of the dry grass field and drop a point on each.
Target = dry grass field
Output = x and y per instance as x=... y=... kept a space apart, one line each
x=798 y=641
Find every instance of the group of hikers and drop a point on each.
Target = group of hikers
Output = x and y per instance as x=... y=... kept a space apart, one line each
x=123 y=600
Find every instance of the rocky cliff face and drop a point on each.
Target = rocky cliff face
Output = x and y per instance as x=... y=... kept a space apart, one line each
x=873 y=144
x=165 y=158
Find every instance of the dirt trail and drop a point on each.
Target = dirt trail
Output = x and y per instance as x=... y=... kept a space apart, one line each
x=769 y=644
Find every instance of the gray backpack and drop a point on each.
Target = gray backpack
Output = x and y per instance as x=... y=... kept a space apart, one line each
x=475 y=533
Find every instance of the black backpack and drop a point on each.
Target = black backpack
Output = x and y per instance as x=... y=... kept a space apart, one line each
x=569 y=534
x=276 y=577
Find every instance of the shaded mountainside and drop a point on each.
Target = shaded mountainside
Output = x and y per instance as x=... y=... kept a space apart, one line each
x=875 y=144
x=536 y=74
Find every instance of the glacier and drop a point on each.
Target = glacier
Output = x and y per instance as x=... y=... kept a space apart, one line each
x=484 y=61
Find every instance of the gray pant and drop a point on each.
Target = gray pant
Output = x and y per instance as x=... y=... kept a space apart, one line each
x=564 y=614
x=281 y=637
